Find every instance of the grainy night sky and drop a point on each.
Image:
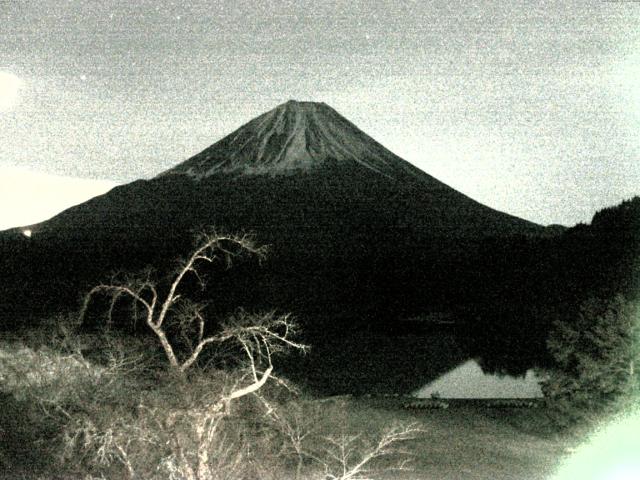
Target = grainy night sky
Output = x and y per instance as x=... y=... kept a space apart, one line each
x=531 y=107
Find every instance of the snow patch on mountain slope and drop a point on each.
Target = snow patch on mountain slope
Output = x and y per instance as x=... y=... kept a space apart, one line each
x=293 y=137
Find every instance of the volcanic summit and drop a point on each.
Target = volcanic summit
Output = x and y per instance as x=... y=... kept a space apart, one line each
x=294 y=137
x=352 y=226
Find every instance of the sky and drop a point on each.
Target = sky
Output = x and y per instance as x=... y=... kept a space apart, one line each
x=530 y=107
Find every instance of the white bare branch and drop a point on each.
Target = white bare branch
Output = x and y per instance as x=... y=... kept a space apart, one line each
x=346 y=457
x=258 y=335
x=209 y=244
x=255 y=386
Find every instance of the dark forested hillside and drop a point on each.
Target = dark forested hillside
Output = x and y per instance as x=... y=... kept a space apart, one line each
x=353 y=229
x=359 y=240
x=531 y=282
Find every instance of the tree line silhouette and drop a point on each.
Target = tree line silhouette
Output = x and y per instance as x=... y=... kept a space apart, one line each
x=503 y=292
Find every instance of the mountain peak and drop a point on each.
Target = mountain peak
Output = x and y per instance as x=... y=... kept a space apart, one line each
x=293 y=137
x=301 y=104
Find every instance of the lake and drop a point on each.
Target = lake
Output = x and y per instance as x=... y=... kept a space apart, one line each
x=468 y=380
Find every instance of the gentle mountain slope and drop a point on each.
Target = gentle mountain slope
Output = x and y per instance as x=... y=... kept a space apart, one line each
x=353 y=228
x=292 y=138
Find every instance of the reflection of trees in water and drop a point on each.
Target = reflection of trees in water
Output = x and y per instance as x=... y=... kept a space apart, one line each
x=469 y=381
x=361 y=363
x=502 y=349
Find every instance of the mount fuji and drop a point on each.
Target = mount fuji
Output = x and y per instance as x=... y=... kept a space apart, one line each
x=292 y=138
x=353 y=228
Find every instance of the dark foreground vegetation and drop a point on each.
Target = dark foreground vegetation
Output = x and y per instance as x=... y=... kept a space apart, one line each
x=146 y=382
x=106 y=406
x=113 y=413
x=94 y=404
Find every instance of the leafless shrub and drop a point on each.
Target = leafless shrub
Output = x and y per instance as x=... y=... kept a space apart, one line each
x=195 y=424
x=156 y=305
x=318 y=435
x=56 y=391
x=351 y=457
x=193 y=429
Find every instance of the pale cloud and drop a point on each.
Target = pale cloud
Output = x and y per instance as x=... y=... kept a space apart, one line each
x=28 y=197
x=10 y=85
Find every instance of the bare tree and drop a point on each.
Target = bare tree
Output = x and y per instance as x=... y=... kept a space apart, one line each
x=259 y=336
x=145 y=295
x=193 y=429
x=350 y=457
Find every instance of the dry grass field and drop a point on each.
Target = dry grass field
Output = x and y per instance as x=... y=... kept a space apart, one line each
x=63 y=413
x=470 y=440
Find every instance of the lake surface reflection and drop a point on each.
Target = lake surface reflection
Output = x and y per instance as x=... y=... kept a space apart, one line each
x=468 y=380
x=441 y=360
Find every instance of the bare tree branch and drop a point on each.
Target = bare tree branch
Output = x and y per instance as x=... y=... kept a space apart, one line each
x=259 y=335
